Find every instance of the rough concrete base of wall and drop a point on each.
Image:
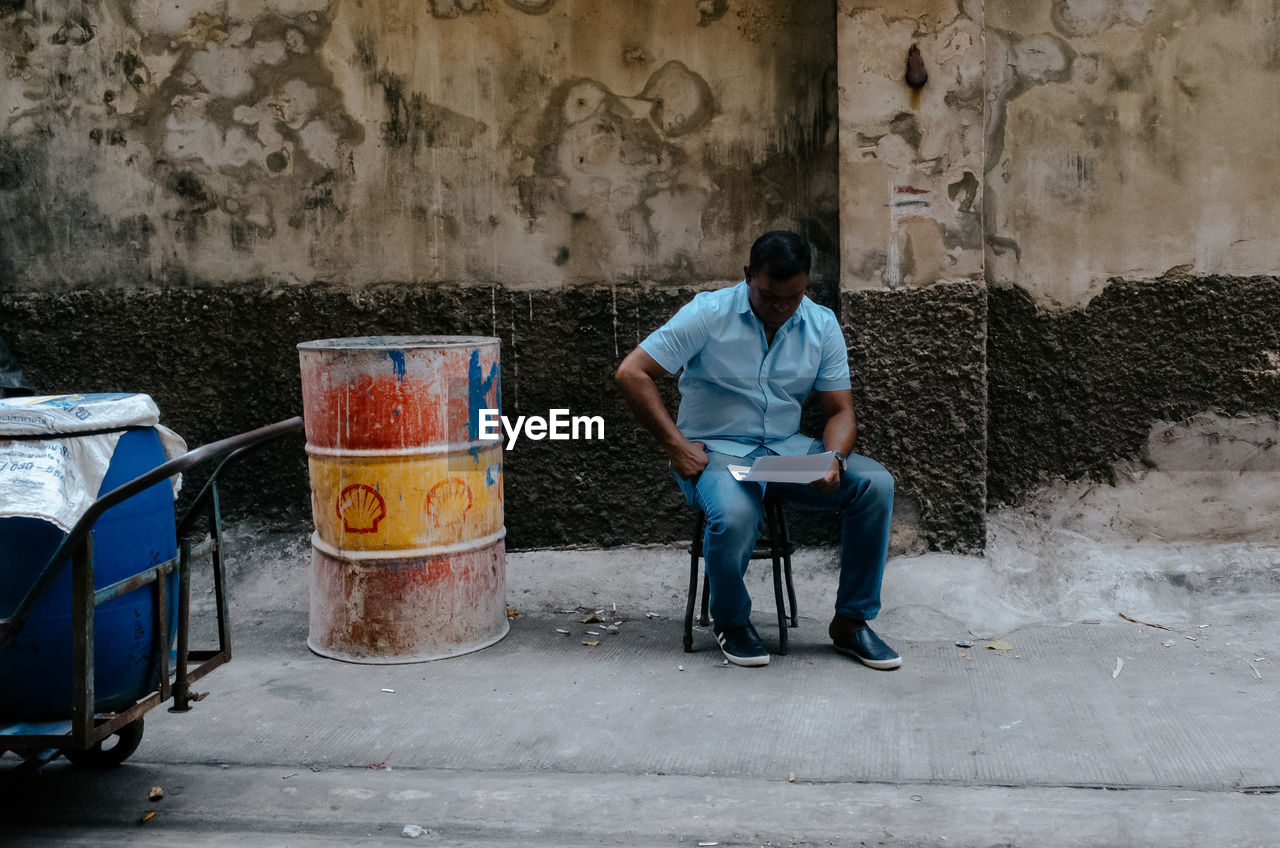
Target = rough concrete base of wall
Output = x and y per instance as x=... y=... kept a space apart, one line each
x=1073 y=394
x=920 y=388
x=223 y=360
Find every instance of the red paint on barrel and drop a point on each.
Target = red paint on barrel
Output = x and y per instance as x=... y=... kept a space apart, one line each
x=391 y=610
x=380 y=407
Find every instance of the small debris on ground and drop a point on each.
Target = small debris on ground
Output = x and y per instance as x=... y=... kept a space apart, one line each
x=155 y=794
x=147 y=816
x=679 y=668
x=283 y=777
x=1146 y=623
x=791 y=778
x=1168 y=643
x=962 y=655
x=707 y=844
x=1255 y=671
x=381 y=765
x=512 y=612
x=1192 y=638
x=412 y=831
x=611 y=628
x=652 y=615
x=593 y=632
x=964 y=643
x=594 y=618
x=591 y=644
x=392 y=691
x=562 y=631
x=1119 y=666
x=999 y=645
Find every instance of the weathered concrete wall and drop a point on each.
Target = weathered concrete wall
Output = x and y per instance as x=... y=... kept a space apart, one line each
x=1130 y=193
x=189 y=188
x=1126 y=139
x=910 y=159
x=1058 y=246
x=518 y=143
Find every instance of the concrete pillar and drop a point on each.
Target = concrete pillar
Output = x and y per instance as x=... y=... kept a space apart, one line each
x=911 y=255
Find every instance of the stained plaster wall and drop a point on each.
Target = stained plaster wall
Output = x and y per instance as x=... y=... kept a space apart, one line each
x=190 y=188
x=521 y=144
x=1128 y=139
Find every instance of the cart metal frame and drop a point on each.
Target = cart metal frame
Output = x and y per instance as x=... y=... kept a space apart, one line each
x=41 y=742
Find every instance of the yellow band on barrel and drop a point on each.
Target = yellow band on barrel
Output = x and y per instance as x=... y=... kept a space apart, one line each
x=390 y=503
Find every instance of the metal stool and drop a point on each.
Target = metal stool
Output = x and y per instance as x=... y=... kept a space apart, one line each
x=774 y=544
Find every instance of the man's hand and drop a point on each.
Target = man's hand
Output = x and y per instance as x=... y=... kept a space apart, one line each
x=688 y=460
x=637 y=380
x=830 y=481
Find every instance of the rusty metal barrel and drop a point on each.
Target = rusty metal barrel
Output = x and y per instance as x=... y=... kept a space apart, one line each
x=408 y=559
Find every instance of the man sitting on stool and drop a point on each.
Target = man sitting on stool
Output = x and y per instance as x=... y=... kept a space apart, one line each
x=751 y=354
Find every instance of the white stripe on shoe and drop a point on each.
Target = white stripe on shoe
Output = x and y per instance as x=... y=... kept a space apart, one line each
x=753 y=661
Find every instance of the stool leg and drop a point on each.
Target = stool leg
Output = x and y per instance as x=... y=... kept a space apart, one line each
x=705 y=619
x=695 y=553
x=785 y=539
x=772 y=519
x=791 y=588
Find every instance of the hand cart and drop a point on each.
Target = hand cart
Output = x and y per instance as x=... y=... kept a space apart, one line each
x=81 y=738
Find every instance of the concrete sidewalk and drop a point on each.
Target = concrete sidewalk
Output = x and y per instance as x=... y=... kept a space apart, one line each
x=542 y=739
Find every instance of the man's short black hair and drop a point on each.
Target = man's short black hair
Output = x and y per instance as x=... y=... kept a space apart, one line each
x=781 y=254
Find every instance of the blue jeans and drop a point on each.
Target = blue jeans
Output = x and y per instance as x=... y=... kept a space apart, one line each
x=735 y=512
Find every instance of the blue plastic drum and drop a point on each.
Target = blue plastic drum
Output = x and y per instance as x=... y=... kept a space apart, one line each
x=36 y=676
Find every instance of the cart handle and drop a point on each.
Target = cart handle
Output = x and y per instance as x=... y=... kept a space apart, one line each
x=78 y=534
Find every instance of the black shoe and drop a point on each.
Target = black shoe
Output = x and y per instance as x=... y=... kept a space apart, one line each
x=856 y=639
x=742 y=645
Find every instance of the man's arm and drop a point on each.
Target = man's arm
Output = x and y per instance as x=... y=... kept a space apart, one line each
x=838 y=434
x=637 y=379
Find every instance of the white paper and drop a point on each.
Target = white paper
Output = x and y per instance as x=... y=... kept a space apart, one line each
x=785 y=469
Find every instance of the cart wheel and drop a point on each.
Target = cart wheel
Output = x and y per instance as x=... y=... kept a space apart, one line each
x=122 y=743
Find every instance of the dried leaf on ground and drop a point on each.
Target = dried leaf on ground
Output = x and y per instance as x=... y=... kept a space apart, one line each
x=999 y=645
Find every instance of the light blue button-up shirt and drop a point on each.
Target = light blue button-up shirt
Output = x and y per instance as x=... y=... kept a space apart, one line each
x=738 y=392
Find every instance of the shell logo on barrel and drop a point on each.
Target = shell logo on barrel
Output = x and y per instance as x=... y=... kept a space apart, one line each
x=447 y=502
x=361 y=507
